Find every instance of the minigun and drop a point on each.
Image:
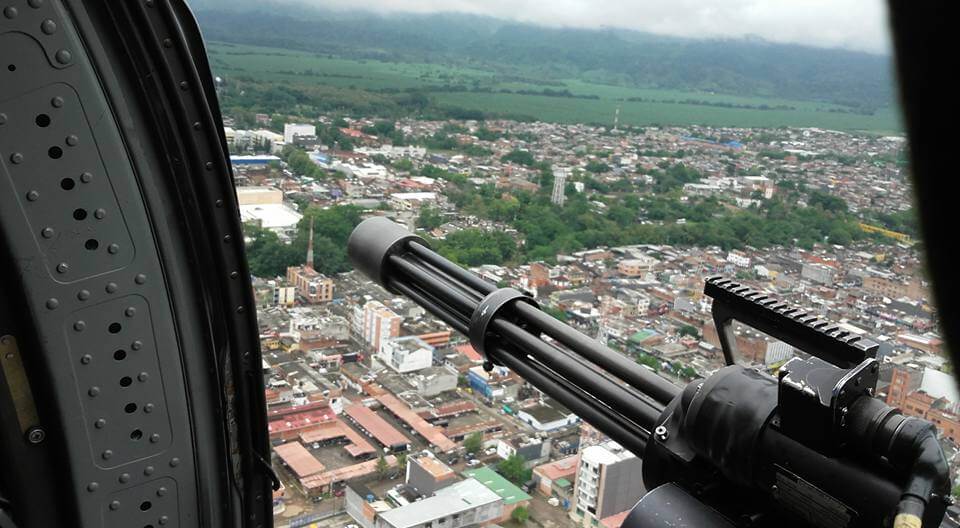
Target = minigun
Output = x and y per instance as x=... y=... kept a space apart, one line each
x=740 y=448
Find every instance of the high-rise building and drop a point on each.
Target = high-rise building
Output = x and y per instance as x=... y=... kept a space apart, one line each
x=560 y=175
x=379 y=324
x=609 y=481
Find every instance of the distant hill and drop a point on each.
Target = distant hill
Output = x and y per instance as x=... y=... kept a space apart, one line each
x=857 y=80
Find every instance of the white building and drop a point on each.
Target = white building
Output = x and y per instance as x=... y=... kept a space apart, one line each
x=609 y=481
x=412 y=200
x=264 y=206
x=266 y=139
x=560 y=175
x=466 y=503
x=292 y=130
x=738 y=259
x=406 y=354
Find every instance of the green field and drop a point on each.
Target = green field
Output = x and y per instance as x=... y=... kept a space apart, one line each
x=659 y=106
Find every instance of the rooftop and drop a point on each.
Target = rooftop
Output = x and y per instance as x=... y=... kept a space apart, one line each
x=299 y=459
x=376 y=426
x=456 y=498
x=507 y=491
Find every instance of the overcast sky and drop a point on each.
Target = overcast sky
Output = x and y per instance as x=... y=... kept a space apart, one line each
x=852 y=24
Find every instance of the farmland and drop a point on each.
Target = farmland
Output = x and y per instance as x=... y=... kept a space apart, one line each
x=504 y=93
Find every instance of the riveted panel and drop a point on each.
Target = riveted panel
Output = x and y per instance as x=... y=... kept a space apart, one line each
x=114 y=356
x=62 y=184
x=84 y=254
x=149 y=505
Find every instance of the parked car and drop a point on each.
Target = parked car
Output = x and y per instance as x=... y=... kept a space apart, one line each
x=473 y=462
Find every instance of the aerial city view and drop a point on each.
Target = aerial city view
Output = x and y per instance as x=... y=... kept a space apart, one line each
x=608 y=196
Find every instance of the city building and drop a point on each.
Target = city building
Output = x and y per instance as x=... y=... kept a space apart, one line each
x=292 y=130
x=513 y=497
x=426 y=474
x=636 y=267
x=609 y=480
x=466 y=503
x=558 y=195
x=819 y=273
x=406 y=354
x=379 y=324
x=264 y=206
x=556 y=478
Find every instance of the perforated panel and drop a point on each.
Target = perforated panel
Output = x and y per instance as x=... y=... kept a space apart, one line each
x=63 y=185
x=73 y=212
x=115 y=358
x=148 y=505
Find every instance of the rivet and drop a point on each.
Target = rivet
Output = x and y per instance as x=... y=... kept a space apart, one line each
x=149 y=3
x=33 y=196
x=63 y=56
x=161 y=491
x=219 y=203
x=35 y=3
x=93 y=486
x=130 y=311
x=16 y=158
x=57 y=102
x=167 y=43
x=184 y=85
x=62 y=267
x=240 y=309
x=100 y=423
x=106 y=454
x=36 y=435
x=174 y=462
x=143 y=376
x=79 y=326
x=148 y=470
x=163 y=519
x=86 y=177
x=99 y=214
x=83 y=295
x=111 y=287
x=136 y=345
x=48 y=26
x=154 y=438
x=227 y=239
x=72 y=140
x=124 y=478
x=113 y=249
x=140 y=278
x=196 y=125
x=86 y=359
x=114 y=505
x=208 y=165
x=3 y=118
x=52 y=303
x=234 y=274
x=93 y=391
x=47 y=232
x=148 y=408
x=10 y=12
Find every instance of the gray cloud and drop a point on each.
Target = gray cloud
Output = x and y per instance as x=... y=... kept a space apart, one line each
x=852 y=24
